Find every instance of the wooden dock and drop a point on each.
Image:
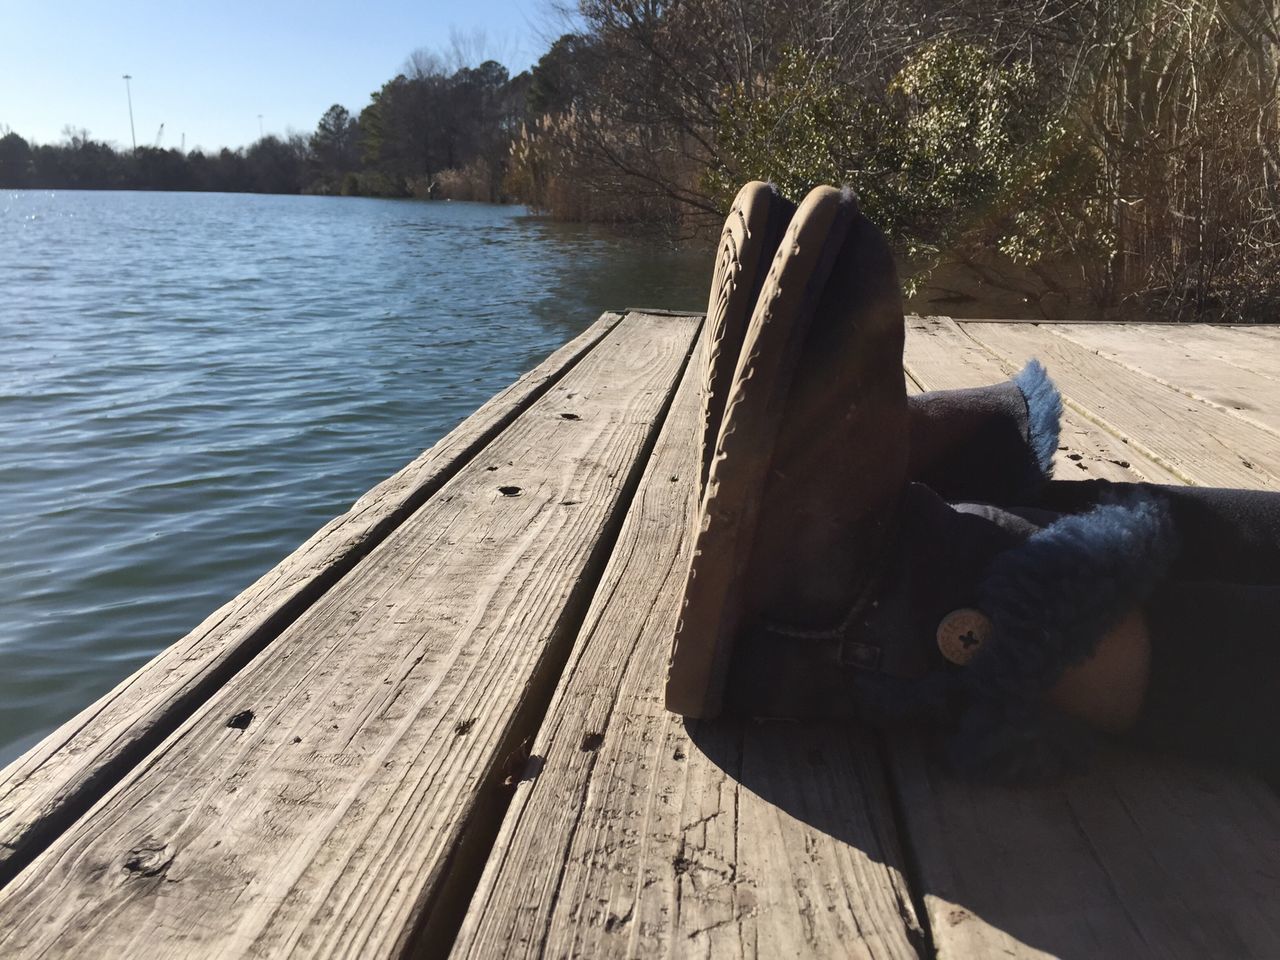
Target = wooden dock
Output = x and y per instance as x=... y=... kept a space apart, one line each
x=437 y=728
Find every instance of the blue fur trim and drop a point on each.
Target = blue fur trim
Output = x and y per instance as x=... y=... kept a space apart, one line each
x=1044 y=413
x=1050 y=600
x=1053 y=596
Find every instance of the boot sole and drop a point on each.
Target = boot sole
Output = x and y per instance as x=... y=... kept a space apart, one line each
x=752 y=233
x=713 y=598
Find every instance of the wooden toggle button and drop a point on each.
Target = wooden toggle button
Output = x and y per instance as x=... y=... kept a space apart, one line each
x=961 y=634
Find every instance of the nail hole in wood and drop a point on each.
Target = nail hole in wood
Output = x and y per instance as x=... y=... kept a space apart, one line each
x=463 y=727
x=533 y=766
x=509 y=491
x=592 y=741
x=241 y=720
x=569 y=416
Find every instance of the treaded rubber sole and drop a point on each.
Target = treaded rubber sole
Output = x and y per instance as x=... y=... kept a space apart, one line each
x=713 y=605
x=750 y=238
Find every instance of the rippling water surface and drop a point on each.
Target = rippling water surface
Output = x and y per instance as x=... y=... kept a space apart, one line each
x=191 y=384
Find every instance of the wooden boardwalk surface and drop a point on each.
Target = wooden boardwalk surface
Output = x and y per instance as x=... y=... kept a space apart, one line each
x=437 y=728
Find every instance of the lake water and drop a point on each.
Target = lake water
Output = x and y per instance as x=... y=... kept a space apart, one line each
x=191 y=384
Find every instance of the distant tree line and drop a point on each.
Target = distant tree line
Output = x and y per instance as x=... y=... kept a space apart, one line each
x=432 y=131
x=271 y=165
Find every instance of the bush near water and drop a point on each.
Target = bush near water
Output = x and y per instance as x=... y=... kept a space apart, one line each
x=1118 y=157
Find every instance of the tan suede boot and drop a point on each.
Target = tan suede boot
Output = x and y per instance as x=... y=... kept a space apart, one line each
x=811 y=452
x=825 y=585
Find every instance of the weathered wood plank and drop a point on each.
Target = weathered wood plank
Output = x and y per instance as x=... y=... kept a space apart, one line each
x=642 y=836
x=1251 y=331
x=62 y=776
x=1250 y=348
x=939 y=356
x=1144 y=857
x=336 y=796
x=1198 y=443
x=1165 y=358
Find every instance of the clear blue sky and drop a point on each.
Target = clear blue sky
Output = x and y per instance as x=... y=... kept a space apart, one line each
x=208 y=68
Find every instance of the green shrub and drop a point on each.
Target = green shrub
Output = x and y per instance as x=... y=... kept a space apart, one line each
x=957 y=149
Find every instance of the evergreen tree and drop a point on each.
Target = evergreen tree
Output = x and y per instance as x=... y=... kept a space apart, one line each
x=15 y=161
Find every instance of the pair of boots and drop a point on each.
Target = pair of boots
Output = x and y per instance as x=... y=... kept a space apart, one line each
x=827 y=580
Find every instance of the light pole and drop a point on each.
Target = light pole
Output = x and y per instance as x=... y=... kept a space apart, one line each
x=260 y=134
x=129 y=95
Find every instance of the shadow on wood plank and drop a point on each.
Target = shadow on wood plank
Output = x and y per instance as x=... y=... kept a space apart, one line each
x=1160 y=858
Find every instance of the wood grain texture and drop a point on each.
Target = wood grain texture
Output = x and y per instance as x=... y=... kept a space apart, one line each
x=58 y=779
x=939 y=356
x=1165 y=358
x=1251 y=348
x=1198 y=443
x=645 y=835
x=334 y=798
x=1144 y=857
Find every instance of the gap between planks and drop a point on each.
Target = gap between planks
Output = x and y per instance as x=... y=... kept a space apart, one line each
x=47 y=788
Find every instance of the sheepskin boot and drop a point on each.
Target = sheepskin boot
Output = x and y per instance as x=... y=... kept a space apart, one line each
x=994 y=443
x=811 y=453
x=813 y=445
x=1022 y=635
x=968 y=627
x=1213 y=623
x=822 y=583
x=1230 y=536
